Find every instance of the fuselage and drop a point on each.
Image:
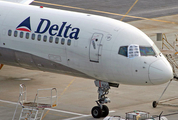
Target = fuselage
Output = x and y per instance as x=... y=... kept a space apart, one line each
x=79 y=44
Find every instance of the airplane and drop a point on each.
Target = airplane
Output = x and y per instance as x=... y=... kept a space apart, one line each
x=106 y=50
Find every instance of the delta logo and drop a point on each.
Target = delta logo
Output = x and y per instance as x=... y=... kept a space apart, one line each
x=64 y=30
x=25 y=25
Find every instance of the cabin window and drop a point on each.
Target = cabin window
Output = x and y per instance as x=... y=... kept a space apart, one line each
x=39 y=37
x=62 y=41
x=123 y=51
x=15 y=33
x=21 y=34
x=57 y=40
x=50 y=39
x=45 y=38
x=27 y=35
x=33 y=36
x=9 y=32
x=146 y=51
x=69 y=42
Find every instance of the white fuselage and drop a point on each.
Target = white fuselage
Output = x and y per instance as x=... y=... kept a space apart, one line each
x=78 y=44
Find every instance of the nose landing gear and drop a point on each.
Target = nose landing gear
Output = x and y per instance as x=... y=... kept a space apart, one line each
x=103 y=89
x=98 y=112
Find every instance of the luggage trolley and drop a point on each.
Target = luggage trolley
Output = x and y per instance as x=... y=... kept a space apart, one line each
x=45 y=98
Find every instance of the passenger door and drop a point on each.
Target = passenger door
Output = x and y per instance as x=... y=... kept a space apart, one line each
x=95 y=46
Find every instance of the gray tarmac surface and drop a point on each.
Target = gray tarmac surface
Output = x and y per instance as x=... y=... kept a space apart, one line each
x=78 y=99
x=77 y=95
x=142 y=8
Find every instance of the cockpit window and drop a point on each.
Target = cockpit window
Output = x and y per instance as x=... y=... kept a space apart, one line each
x=123 y=50
x=133 y=51
x=146 y=51
x=157 y=51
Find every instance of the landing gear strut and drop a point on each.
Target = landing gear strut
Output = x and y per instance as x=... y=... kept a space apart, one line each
x=155 y=103
x=103 y=89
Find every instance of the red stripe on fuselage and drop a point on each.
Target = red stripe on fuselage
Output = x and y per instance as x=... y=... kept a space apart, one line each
x=100 y=83
x=23 y=29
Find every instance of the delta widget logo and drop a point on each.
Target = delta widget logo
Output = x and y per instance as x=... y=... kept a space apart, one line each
x=61 y=29
x=25 y=25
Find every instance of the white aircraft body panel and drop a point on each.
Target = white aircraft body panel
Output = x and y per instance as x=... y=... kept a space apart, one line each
x=25 y=2
x=83 y=45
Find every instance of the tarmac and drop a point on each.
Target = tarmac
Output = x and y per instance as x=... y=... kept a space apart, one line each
x=76 y=96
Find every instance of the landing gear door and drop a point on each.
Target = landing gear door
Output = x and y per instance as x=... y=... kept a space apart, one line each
x=95 y=44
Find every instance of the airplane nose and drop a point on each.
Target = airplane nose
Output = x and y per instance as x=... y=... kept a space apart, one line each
x=160 y=72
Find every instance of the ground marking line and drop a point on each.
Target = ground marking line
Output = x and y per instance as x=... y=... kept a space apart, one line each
x=142 y=18
x=55 y=110
x=60 y=96
x=45 y=114
x=84 y=116
x=129 y=10
x=9 y=102
x=46 y=108
x=62 y=111
x=66 y=88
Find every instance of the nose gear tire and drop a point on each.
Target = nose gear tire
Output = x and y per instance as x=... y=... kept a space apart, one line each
x=105 y=111
x=96 y=112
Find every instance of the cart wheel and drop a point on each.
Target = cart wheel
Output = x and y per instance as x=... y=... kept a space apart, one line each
x=154 y=104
